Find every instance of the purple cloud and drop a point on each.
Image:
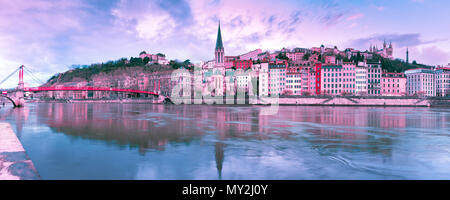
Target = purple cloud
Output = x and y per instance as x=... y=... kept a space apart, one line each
x=399 y=40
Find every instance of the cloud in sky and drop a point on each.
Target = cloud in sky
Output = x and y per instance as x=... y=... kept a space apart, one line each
x=379 y=8
x=399 y=40
x=49 y=36
x=428 y=54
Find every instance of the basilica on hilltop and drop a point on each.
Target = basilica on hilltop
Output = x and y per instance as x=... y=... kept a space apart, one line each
x=386 y=52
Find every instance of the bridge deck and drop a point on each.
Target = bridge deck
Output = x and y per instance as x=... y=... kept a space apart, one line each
x=14 y=162
x=87 y=88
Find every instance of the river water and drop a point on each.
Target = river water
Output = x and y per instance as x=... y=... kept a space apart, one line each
x=145 y=141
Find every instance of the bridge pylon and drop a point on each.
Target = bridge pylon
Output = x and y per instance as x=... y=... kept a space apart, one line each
x=19 y=94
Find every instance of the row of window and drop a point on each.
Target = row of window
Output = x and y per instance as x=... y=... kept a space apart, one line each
x=294 y=86
x=293 y=81
x=389 y=85
x=389 y=80
x=389 y=91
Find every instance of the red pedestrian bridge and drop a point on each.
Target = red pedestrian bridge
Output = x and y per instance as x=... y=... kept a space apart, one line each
x=16 y=96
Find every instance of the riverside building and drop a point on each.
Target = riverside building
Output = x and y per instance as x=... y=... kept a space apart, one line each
x=361 y=80
x=442 y=81
x=277 y=78
x=420 y=82
x=331 y=79
x=393 y=84
x=374 y=79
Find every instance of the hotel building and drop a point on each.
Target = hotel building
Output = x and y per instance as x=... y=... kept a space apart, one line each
x=420 y=82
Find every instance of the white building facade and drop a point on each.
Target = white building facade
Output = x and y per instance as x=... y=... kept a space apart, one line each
x=277 y=79
x=374 y=79
x=442 y=82
x=262 y=72
x=361 y=80
x=420 y=82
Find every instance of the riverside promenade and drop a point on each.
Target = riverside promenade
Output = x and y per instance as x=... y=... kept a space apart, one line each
x=14 y=162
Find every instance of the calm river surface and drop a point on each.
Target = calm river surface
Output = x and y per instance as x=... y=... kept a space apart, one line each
x=144 y=141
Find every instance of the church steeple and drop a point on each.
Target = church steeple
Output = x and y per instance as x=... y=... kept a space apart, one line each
x=220 y=51
x=219 y=44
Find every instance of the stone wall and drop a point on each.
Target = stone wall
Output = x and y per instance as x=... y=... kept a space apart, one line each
x=342 y=101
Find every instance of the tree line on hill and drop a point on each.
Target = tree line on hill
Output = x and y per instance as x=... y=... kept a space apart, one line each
x=87 y=71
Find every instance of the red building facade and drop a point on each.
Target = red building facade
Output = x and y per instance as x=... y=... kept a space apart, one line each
x=318 y=70
x=242 y=64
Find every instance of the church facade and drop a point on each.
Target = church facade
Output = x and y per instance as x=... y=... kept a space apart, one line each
x=214 y=73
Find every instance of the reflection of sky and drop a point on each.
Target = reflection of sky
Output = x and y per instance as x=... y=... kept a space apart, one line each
x=313 y=143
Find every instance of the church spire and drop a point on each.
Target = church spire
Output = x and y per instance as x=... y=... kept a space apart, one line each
x=220 y=51
x=219 y=44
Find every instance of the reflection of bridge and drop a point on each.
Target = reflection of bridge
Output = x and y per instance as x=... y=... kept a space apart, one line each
x=16 y=96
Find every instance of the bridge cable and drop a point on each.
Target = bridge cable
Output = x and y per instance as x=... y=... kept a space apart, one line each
x=1 y=82
x=34 y=77
x=32 y=71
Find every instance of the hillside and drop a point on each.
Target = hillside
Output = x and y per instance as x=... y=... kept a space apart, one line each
x=110 y=69
x=397 y=65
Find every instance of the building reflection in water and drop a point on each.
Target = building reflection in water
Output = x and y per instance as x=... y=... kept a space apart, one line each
x=153 y=127
x=20 y=116
x=220 y=155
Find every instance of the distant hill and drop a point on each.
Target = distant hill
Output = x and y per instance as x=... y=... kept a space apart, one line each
x=397 y=65
x=86 y=73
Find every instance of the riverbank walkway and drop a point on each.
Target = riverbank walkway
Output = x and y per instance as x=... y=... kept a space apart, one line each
x=14 y=162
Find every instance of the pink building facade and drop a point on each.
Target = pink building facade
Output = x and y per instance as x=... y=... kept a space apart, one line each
x=331 y=79
x=252 y=55
x=330 y=60
x=295 y=56
x=155 y=58
x=348 y=78
x=393 y=84
x=308 y=80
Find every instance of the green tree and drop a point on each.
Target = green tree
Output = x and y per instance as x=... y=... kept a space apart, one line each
x=146 y=60
x=306 y=56
x=282 y=56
